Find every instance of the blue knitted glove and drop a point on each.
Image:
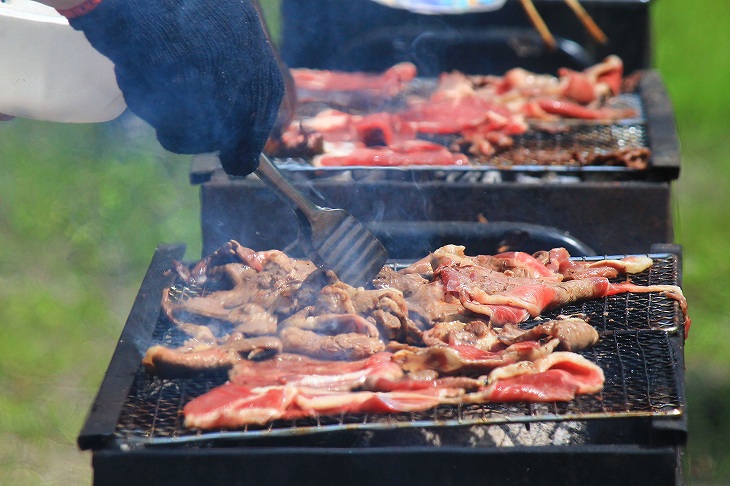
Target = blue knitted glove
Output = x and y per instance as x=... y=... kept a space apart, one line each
x=201 y=72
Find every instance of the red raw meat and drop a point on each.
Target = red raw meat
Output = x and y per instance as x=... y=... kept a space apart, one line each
x=456 y=115
x=390 y=82
x=570 y=109
x=333 y=125
x=559 y=376
x=528 y=265
x=555 y=377
x=558 y=260
x=383 y=129
x=414 y=152
x=548 y=386
x=301 y=371
x=580 y=87
x=513 y=296
x=308 y=403
x=601 y=80
x=230 y=406
x=671 y=291
x=484 y=111
x=521 y=298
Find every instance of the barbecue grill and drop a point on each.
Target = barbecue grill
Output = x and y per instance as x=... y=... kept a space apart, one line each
x=609 y=209
x=632 y=431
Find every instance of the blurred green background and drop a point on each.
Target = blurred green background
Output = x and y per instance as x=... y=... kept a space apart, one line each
x=82 y=208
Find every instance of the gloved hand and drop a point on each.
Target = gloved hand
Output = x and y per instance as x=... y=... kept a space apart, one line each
x=201 y=72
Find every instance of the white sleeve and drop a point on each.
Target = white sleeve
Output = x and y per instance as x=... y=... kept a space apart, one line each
x=61 y=4
x=49 y=71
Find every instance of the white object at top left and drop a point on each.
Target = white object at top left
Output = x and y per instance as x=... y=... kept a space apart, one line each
x=49 y=71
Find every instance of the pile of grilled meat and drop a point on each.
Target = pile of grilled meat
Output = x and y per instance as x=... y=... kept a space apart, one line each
x=297 y=342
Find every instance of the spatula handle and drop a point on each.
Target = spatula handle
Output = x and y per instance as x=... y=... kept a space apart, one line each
x=271 y=175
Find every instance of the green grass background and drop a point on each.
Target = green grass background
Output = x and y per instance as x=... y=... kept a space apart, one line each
x=82 y=208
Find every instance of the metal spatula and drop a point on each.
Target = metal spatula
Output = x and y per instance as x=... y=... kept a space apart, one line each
x=332 y=238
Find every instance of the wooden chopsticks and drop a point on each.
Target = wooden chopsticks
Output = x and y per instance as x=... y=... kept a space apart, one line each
x=587 y=21
x=590 y=25
x=539 y=24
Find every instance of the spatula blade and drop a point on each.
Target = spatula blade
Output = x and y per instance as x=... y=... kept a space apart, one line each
x=331 y=237
x=342 y=244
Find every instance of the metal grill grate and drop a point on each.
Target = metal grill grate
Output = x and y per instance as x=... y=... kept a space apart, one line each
x=583 y=140
x=635 y=353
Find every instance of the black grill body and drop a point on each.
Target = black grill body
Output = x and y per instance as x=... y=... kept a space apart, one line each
x=633 y=432
x=597 y=465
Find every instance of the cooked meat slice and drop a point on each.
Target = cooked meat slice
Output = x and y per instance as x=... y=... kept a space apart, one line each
x=265 y=285
x=308 y=293
x=477 y=333
x=426 y=300
x=421 y=267
x=253 y=320
x=468 y=360
x=349 y=345
x=200 y=333
x=671 y=291
x=558 y=260
x=250 y=318
x=303 y=371
x=330 y=324
x=180 y=362
x=384 y=308
x=634 y=158
x=389 y=310
x=573 y=333
x=330 y=336
x=188 y=361
x=334 y=299
x=461 y=382
x=253 y=348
